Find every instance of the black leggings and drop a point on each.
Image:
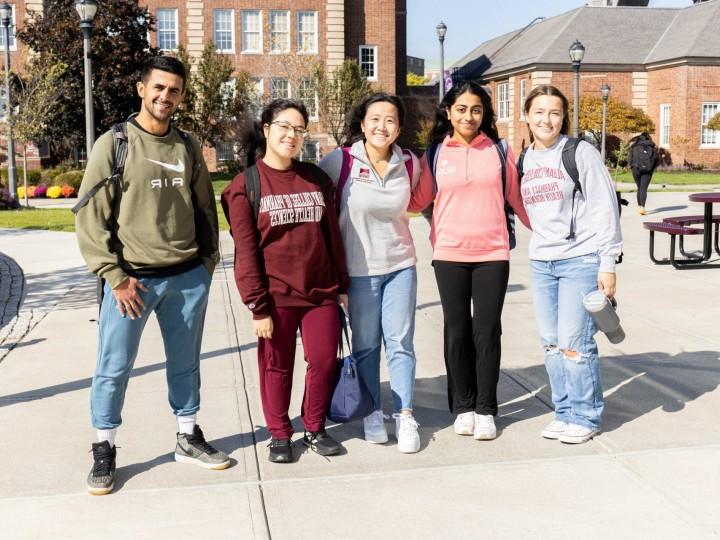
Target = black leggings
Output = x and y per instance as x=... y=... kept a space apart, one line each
x=472 y=339
x=642 y=180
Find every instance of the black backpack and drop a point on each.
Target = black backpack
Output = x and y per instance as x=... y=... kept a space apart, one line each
x=644 y=157
x=432 y=152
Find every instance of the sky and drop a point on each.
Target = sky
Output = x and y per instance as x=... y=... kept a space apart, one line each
x=470 y=22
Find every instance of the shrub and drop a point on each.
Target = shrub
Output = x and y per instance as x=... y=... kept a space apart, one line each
x=30 y=192
x=33 y=176
x=49 y=175
x=21 y=192
x=54 y=192
x=67 y=191
x=40 y=190
x=71 y=178
x=7 y=202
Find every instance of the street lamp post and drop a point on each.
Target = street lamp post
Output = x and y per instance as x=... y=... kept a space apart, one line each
x=441 y=31
x=86 y=9
x=5 y=16
x=577 y=51
x=605 y=94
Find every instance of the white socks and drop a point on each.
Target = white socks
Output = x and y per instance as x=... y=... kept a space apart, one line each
x=107 y=435
x=186 y=424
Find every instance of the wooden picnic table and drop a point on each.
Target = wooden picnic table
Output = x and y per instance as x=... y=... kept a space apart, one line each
x=708 y=199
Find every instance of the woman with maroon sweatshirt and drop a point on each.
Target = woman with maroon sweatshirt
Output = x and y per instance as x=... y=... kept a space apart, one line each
x=291 y=273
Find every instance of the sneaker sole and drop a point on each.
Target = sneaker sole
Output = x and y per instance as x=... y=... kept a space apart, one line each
x=409 y=449
x=101 y=491
x=576 y=440
x=281 y=459
x=484 y=436
x=377 y=440
x=194 y=461
x=463 y=432
x=324 y=453
x=553 y=435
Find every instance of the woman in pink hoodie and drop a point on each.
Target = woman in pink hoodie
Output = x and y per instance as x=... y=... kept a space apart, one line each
x=470 y=234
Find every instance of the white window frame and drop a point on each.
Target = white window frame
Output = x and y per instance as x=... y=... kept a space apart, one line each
x=523 y=95
x=665 y=111
x=244 y=42
x=311 y=108
x=12 y=40
x=709 y=133
x=216 y=12
x=257 y=96
x=219 y=157
x=300 y=32
x=273 y=81
x=176 y=29
x=503 y=101
x=273 y=41
x=315 y=145
x=374 y=50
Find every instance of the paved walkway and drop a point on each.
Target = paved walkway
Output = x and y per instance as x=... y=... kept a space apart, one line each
x=654 y=472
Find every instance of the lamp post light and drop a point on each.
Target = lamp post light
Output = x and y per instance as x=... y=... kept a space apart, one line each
x=441 y=31
x=577 y=51
x=5 y=16
x=87 y=9
x=605 y=94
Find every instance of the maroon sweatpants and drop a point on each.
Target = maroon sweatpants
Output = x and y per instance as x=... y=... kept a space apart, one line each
x=319 y=329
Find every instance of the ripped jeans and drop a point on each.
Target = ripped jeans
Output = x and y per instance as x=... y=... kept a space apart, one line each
x=564 y=325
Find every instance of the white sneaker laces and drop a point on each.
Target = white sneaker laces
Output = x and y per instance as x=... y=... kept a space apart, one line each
x=406 y=422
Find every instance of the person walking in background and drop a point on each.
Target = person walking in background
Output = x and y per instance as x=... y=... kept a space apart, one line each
x=575 y=241
x=290 y=270
x=375 y=179
x=644 y=159
x=472 y=177
x=153 y=238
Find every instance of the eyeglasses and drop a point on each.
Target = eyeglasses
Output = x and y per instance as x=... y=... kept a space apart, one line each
x=287 y=128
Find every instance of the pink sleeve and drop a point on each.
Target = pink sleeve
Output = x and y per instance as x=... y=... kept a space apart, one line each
x=423 y=194
x=512 y=189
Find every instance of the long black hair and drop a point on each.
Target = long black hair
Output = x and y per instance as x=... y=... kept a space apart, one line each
x=354 y=132
x=443 y=127
x=548 y=90
x=253 y=137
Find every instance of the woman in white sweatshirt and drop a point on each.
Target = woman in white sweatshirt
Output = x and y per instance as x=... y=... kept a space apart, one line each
x=575 y=240
x=375 y=180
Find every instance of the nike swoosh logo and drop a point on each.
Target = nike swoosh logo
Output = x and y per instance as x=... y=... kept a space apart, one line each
x=180 y=167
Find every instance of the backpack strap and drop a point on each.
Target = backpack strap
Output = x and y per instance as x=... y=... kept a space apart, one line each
x=520 y=161
x=432 y=151
x=318 y=175
x=570 y=164
x=189 y=147
x=409 y=165
x=252 y=188
x=502 y=150
x=120 y=151
x=345 y=168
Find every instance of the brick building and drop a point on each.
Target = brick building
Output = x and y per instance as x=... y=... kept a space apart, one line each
x=664 y=61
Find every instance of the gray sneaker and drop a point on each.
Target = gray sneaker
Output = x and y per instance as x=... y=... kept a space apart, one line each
x=101 y=479
x=195 y=449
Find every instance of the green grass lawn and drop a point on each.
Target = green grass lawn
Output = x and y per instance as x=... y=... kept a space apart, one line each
x=220 y=180
x=57 y=219
x=673 y=178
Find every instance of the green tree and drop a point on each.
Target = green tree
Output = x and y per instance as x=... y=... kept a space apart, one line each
x=620 y=118
x=215 y=100
x=714 y=122
x=415 y=80
x=119 y=47
x=338 y=92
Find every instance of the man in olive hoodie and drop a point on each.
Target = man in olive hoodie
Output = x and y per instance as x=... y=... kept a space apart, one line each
x=153 y=238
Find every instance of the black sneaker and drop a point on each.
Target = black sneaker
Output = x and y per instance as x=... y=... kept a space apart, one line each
x=280 y=451
x=196 y=450
x=322 y=443
x=101 y=479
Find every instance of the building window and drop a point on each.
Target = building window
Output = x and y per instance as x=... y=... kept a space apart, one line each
x=503 y=102
x=523 y=95
x=307 y=34
x=279 y=88
x=167 y=29
x=368 y=61
x=310 y=152
x=709 y=136
x=224 y=30
x=251 y=32
x=665 y=124
x=279 y=31
x=256 y=97
x=11 y=30
x=306 y=93
x=224 y=151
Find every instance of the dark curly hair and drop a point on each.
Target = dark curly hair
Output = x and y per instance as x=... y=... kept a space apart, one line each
x=354 y=132
x=443 y=127
x=253 y=137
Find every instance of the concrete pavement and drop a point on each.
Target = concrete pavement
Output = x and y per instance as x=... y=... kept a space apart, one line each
x=653 y=472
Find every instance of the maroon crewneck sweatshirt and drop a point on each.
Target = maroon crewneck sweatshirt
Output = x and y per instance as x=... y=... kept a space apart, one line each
x=293 y=256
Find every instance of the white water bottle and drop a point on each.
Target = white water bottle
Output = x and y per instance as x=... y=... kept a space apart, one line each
x=603 y=313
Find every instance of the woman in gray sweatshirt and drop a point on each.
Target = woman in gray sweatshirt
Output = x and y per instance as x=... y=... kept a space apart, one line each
x=375 y=180
x=575 y=240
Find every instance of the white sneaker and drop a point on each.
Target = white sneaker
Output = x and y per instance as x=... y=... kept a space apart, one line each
x=374 y=425
x=406 y=432
x=554 y=429
x=576 y=434
x=465 y=423
x=484 y=427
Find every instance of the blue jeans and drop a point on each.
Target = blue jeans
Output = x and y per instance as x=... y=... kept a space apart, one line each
x=564 y=324
x=179 y=303
x=382 y=309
